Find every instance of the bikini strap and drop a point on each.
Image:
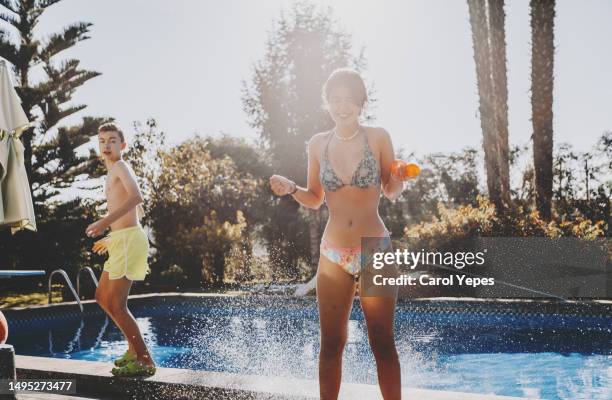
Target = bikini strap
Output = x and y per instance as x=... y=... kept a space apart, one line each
x=325 y=152
x=366 y=144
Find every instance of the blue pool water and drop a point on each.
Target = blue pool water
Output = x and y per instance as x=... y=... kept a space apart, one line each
x=547 y=355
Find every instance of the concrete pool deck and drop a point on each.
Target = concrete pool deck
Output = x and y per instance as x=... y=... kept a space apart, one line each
x=95 y=381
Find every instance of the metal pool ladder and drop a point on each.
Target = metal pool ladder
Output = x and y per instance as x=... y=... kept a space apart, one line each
x=78 y=279
x=67 y=279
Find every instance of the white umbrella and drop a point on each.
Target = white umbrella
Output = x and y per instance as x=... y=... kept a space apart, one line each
x=16 y=209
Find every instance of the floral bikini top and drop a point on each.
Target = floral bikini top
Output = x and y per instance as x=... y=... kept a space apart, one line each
x=366 y=174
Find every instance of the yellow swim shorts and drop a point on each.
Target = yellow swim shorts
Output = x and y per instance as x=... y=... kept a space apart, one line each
x=127 y=254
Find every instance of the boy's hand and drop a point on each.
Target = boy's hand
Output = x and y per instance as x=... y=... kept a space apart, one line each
x=96 y=229
x=100 y=247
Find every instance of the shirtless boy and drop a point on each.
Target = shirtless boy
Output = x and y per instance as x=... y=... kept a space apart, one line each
x=127 y=248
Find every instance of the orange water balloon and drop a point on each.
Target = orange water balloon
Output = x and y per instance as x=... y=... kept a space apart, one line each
x=404 y=171
x=412 y=170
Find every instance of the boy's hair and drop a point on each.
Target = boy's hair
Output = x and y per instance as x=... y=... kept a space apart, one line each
x=349 y=78
x=111 y=127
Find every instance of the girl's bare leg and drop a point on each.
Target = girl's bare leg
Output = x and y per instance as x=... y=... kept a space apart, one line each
x=335 y=293
x=379 y=314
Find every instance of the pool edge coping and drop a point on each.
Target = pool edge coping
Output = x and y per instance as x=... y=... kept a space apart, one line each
x=193 y=383
x=247 y=295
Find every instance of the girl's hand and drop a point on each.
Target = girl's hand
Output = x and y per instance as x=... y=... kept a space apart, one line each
x=394 y=178
x=281 y=186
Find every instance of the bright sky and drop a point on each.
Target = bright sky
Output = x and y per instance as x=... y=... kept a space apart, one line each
x=183 y=63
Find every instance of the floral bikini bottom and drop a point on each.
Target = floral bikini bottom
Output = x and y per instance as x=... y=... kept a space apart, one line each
x=350 y=258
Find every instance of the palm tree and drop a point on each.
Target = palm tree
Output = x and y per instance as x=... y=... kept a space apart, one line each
x=497 y=36
x=542 y=62
x=488 y=38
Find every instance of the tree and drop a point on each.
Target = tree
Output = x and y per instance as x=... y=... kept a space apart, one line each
x=50 y=151
x=449 y=179
x=497 y=33
x=283 y=102
x=251 y=163
x=542 y=63
x=565 y=169
x=457 y=176
x=50 y=156
x=488 y=38
x=582 y=182
x=196 y=211
x=144 y=154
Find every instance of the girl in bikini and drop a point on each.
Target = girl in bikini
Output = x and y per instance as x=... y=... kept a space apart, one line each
x=348 y=167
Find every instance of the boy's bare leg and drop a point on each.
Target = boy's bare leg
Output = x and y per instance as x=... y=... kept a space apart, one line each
x=102 y=297
x=118 y=290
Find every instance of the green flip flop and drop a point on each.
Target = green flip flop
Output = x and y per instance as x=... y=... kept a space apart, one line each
x=134 y=368
x=124 y=359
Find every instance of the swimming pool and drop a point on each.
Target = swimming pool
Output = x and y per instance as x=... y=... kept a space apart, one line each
x=551 y=351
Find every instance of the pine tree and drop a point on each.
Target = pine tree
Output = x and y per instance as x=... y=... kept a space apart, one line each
x=51 y=158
